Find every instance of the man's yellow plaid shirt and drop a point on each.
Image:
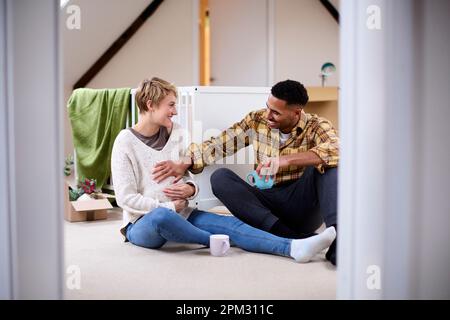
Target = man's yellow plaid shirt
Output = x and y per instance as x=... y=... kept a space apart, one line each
x=311 y=133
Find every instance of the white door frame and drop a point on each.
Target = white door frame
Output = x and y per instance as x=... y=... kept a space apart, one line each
x=393 y=172
x=5 y=250
x=31 y=161
x=369 y=148
x=235 y=39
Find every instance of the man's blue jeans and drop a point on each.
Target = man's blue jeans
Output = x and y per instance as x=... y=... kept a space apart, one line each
x=160 y=225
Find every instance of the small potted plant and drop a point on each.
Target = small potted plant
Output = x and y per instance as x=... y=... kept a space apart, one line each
x=86 y=190
x=89 y=187
x=68 y=165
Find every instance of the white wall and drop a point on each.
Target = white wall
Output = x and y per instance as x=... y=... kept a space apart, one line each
x=164 y=47
x=306 y=36
x=102 y=22
x=260 y=42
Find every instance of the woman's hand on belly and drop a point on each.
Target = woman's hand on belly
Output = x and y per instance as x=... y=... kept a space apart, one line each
x=169 y=168
x=179 y=191
x=180 y=204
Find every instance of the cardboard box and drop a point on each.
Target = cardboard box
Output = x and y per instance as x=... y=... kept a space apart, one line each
x=90 y=210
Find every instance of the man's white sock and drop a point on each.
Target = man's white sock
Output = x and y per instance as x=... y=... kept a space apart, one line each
x=303 y=250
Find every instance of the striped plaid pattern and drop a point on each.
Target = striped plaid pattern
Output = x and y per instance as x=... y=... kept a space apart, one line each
x=312 y=133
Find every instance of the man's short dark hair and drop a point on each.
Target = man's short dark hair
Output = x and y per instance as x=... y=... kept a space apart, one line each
x=293 y=92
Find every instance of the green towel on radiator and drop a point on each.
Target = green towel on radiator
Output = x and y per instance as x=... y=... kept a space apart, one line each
x=97 y=116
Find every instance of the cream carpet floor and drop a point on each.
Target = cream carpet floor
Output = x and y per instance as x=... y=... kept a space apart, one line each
x=112 y=269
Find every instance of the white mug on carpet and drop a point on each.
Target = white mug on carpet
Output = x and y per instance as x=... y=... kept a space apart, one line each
x=219 y=244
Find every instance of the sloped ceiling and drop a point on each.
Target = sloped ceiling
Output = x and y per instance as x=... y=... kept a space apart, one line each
x=102 y=22
x=335 y=3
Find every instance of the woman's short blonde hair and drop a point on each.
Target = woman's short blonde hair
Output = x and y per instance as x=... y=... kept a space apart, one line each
x=155 y=90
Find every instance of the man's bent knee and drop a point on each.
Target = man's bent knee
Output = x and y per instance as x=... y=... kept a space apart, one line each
x=329 y=173
x=219 y=176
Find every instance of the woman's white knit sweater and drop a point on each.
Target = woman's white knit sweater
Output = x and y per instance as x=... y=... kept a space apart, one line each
x=132 y=162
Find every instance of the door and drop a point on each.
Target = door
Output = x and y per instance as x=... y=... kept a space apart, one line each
x=239 y=42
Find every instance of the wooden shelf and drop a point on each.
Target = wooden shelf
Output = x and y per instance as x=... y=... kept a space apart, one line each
x=323 y=101
x=319 y=94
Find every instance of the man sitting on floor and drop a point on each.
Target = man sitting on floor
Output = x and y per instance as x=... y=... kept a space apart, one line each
x=300 y=151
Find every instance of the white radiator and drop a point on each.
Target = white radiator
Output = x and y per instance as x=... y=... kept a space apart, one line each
x=207 y=111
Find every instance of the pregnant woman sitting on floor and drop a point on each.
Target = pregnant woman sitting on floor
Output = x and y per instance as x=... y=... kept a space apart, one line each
x=155 y=213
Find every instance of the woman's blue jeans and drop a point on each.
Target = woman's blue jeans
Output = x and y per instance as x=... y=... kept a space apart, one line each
x=160 y=225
